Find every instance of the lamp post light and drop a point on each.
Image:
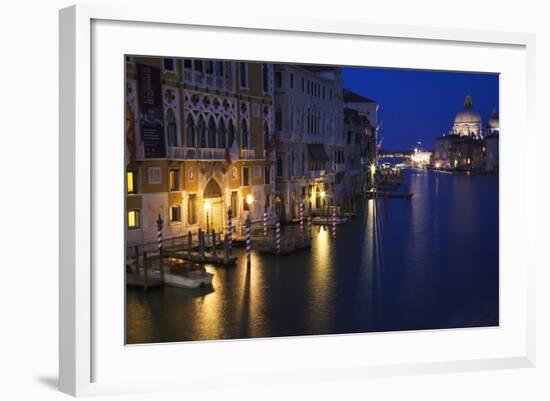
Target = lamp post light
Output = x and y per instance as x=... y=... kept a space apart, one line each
x=249 y=201
x=323 y=194
x=372 y=174
x=207 y=207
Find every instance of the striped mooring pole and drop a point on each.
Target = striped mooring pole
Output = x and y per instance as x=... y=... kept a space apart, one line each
x=230 y=229
x=334 y=222
x=247 y=227
x=159 y=233
x=278 y=235
x=309 y=223
x=301 y=218
x=265 y=222
x=159 y=246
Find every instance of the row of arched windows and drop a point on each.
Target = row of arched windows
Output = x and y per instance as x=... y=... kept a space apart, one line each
x=209 y=134
x=206 y=133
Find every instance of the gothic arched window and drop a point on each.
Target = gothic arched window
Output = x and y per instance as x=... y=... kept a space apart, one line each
x=244 y=135
x=171 y=128
x=266 y=136
x=279 y=167
x=190 y=132
x=202 y=132
x=221 y=134
x=230 y=134
x=211 y=133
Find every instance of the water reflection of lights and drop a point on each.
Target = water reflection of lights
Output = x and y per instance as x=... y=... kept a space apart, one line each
x=253 y=301
x=208 y=310
x=321 y=253
x=371 y=253
x=142 y=319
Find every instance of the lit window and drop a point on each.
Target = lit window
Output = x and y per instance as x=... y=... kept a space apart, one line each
x=235 y=204
x=133 y=219
x=191 y=209
x=175 y=213
x=131 y=182
x=246 y=176
x=174 y=179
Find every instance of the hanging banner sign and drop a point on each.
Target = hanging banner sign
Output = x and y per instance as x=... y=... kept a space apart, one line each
x=151 y=119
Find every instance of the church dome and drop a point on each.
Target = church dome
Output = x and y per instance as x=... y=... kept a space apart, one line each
x=468 y=115
x=493 y=122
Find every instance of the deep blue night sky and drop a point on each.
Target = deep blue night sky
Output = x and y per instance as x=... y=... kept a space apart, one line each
x=420 y=105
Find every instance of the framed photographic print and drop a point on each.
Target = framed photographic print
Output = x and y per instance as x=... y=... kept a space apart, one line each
x=340 y=196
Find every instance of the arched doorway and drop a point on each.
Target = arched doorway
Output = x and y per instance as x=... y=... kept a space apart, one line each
x=213 y=210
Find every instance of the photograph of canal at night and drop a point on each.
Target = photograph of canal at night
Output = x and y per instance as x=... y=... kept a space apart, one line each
x=274 y=200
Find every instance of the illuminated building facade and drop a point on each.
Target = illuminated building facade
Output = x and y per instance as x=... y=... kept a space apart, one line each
x=490 y=144
x=357 y=155
x=308 y=125
x=363 y=113
x=199 y=139
x=467 y=146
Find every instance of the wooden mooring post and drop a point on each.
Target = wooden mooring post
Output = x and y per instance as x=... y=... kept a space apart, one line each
x=248 y=245
x=214 y=252
x=201 y=244
x=160 y=242
x=226 y=249
x=136 y=254
x=145 y=271
x=161 y=264
x=189 y=244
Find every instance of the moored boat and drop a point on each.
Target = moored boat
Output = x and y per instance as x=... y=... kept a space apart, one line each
x=187 y=276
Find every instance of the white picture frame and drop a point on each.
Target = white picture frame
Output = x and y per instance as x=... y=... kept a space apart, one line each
x=84 y=347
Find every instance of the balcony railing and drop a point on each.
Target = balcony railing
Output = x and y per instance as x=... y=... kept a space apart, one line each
x=339 y=167
x=184 y=153
x=248 y=154
x=316 y=173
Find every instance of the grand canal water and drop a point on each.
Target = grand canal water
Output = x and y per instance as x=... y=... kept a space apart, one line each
x=427 y=263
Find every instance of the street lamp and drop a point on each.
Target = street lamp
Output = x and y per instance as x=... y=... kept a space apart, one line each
x=373 y=168
x=249 y=200
x=207 y=207
x=323 y=194
x=372 y=174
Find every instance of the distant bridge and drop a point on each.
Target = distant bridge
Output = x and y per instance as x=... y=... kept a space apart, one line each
x=398 y=153
x=382 y=154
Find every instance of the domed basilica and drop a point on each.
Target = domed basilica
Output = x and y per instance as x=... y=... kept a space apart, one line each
x=468 y=145
x=467 y=121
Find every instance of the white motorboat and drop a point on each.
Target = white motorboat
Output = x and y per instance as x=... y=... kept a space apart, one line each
x=187 y=276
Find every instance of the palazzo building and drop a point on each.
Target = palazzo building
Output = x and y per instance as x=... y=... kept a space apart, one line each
x=362 y=118
x=490 y=142
x=199 y=140
x=310 y=140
